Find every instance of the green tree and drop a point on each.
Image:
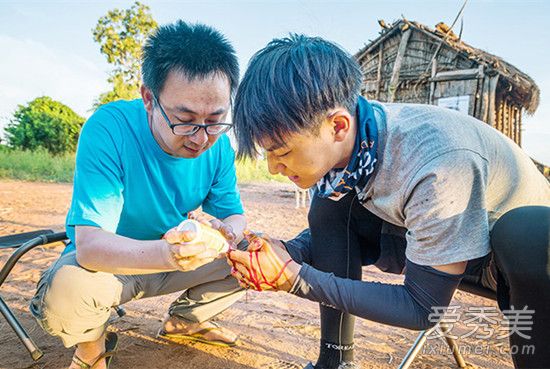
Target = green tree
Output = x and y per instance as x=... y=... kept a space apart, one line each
x=44 y=123
x=121 y=34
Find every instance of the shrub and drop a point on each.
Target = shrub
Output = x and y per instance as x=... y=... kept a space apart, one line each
x=44 y=123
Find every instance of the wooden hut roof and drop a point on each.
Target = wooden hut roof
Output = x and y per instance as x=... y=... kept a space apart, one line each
x=526 y=89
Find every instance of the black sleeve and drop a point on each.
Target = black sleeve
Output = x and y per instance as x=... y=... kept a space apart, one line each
x=408 y=305
x=299 y=247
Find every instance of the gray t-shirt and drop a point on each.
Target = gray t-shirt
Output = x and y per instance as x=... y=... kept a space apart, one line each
x=446 y=178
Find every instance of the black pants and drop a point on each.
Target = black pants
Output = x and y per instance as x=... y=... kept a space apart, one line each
x=521 y=244
x=345 y=236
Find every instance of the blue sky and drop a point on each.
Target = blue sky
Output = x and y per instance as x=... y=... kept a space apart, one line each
x=47 y=46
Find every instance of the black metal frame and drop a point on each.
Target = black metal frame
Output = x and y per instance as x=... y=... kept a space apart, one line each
x=23 y=243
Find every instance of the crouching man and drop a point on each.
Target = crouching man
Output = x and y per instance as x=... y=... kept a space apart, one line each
x=141 y=167
x=414 y=189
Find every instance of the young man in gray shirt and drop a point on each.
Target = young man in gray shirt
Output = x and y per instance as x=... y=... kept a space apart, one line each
x=414 y=189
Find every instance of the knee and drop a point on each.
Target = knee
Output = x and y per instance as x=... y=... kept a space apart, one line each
x=299 y=247
x=325 y=213
x=74 y=293
x=319 y=214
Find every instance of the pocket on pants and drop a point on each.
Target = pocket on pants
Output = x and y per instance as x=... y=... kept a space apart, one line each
x=36 y=305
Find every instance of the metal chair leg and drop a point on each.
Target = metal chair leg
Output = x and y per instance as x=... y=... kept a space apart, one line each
x=43 y=239
x=34 y=351
x=415 y=348
x=454 y=347
x=120 y=312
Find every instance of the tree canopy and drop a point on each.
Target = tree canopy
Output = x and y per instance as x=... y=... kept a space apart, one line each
x=44 y=123
x=121 y=34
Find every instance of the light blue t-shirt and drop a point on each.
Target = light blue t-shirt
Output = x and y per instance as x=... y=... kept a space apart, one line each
x=126 y=184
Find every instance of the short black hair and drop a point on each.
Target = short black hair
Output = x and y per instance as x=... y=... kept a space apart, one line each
x=288 y=86
x=196 y=50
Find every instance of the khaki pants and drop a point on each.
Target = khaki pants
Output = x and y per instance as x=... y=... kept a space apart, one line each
x=75 y=304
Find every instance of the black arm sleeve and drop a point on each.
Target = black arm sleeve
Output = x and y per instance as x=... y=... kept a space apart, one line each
x=408 y=305
x=299 y=247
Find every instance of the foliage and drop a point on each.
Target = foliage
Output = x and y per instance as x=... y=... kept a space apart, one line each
x=256 y=171
x=37 y=165
x=121 y=91
x=121 y=34
x=44 y=123
x=44 y=167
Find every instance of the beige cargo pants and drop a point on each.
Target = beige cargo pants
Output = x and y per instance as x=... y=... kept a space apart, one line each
x=75 y=304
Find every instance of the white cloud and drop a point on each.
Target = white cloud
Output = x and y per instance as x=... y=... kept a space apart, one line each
x=30 y=69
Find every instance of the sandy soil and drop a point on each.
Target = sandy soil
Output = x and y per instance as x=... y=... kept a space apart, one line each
x=274 y=328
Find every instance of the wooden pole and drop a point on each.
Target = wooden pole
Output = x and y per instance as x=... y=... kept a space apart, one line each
x=392 y=89
x=484 y=114
x=513 y=123
x=478 y=101
x=492 y=111
x=520 y=116
x=379 y=72
x=432 y=83
x=505 y=108
x=500 y=114
x=511 y=120
x=516 y=125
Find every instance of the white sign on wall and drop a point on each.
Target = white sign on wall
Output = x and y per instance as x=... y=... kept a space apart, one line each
x=459 y=103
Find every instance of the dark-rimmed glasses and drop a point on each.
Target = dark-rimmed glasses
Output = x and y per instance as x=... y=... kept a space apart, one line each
x=189 y=129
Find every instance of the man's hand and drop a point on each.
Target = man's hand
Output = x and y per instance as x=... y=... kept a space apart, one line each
x=186 y=256
x=266 y=265
x=224 y=229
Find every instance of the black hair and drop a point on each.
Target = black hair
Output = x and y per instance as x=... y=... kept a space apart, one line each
x=288 y=86
x=196 y=50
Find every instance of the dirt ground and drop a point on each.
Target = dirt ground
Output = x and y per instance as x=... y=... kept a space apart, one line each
x=274 y=327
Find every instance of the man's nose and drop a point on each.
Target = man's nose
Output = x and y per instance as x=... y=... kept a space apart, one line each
x=274 y=166
x=200 y=137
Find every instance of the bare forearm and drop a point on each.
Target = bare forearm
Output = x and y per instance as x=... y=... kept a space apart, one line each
x=103 y=251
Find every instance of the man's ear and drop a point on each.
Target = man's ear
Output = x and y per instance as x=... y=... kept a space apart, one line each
x=147 y=97
x=341 y=123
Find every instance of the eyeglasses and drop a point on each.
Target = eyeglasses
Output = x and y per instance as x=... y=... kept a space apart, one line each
x=189 y=129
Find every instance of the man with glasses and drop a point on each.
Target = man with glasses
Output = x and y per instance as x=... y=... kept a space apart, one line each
x=141 y=167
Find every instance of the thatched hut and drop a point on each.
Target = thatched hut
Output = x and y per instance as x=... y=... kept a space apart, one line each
x=410 y=62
